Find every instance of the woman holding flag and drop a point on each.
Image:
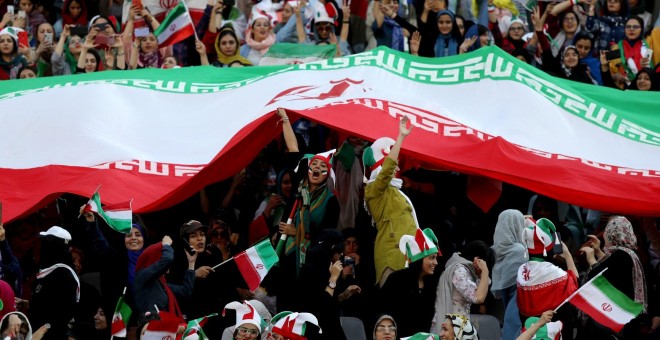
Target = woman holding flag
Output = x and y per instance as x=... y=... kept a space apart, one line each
x=624 y=271
x=117 y=264
x=315 y=209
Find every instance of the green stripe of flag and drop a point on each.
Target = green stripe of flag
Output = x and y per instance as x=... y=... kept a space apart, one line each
x=171 y=17
x=617 y=297
x=267 y=253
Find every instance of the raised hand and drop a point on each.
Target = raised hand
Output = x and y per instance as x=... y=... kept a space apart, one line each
x=404 y=130
x=414 y=43
x=467 y=43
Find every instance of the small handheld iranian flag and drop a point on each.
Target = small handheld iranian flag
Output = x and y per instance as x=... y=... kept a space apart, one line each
x=120 y=318
x=118 y=216
x=422 y=336
x=166 y=327
x=177 y=26
x=605 y=304
x=255 y=262
x=288 y=54
x=194 y=329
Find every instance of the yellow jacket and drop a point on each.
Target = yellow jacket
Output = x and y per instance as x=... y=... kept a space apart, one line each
x=393 y=216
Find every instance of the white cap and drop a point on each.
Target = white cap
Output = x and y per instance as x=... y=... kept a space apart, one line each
x=57 y=232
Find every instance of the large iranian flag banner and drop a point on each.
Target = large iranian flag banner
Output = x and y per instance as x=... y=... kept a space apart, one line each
x=160 y=135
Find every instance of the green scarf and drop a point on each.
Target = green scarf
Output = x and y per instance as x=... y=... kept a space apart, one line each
x=68 y=56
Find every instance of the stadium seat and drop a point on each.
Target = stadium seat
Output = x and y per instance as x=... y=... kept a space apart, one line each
x=487 y=326
x=353 y=328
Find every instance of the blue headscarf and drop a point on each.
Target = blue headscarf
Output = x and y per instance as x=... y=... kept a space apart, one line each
x=133 y=257
x=475 y=31
x=446 y=39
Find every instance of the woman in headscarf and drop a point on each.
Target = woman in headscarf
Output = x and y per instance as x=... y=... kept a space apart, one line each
x=475 y=37
x=624 y=271
x=450 y=38
x=609 y=26
x=227 y=48
x=542 y=285
x=152 y=292
x=510 y=254
x=317 y=207
x=634 y=48
x=514 y=38
x=385 y=29
x=274 y=208
x=457 y=327
x=645 y=80
x=392 y=211
x=116 y=263
x=464 y=282
x=260 y=37
x=67 y=52
x=74 y=13
x=385 y=328
x=56 y=285
x=584 y=43
x=566 y=64
x=409 y=294
x=11 y=61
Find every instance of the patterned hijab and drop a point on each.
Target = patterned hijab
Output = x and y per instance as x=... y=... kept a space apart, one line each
x=463 y=329
x=619 y=235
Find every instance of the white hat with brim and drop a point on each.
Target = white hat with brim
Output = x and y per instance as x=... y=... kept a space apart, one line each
x=58 y=232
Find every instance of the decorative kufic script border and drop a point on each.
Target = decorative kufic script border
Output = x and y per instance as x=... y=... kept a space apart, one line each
x=445 y=127
x=153 y=168
x=469 y=69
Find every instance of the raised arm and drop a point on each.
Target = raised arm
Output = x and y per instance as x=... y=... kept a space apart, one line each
x=59 y=48
x=201 y=49
x=130 y=26
x=404 y=131
x=89 y=44
x=378 y=13
x=300 y=26
x=345 y=25
x=289 y=136
x=562 y=7
x=531 y=331
x=213 y=28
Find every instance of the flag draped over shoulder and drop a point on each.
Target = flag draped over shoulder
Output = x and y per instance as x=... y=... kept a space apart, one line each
x=484 y=113
x=606 y=304
x=177 y=26
x=118 y=216
x=255 y=262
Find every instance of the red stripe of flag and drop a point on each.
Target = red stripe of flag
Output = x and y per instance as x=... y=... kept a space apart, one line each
x=182 y=34
x=247 y=270
x=582 y=304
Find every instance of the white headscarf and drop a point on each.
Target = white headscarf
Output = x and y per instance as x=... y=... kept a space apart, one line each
x=509 y=249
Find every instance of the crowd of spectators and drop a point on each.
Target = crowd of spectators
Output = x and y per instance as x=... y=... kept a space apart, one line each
x=610 y=43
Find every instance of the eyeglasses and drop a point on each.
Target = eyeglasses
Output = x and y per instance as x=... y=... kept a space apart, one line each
x=385 y=329
x=633 y=27
x=245 y=331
